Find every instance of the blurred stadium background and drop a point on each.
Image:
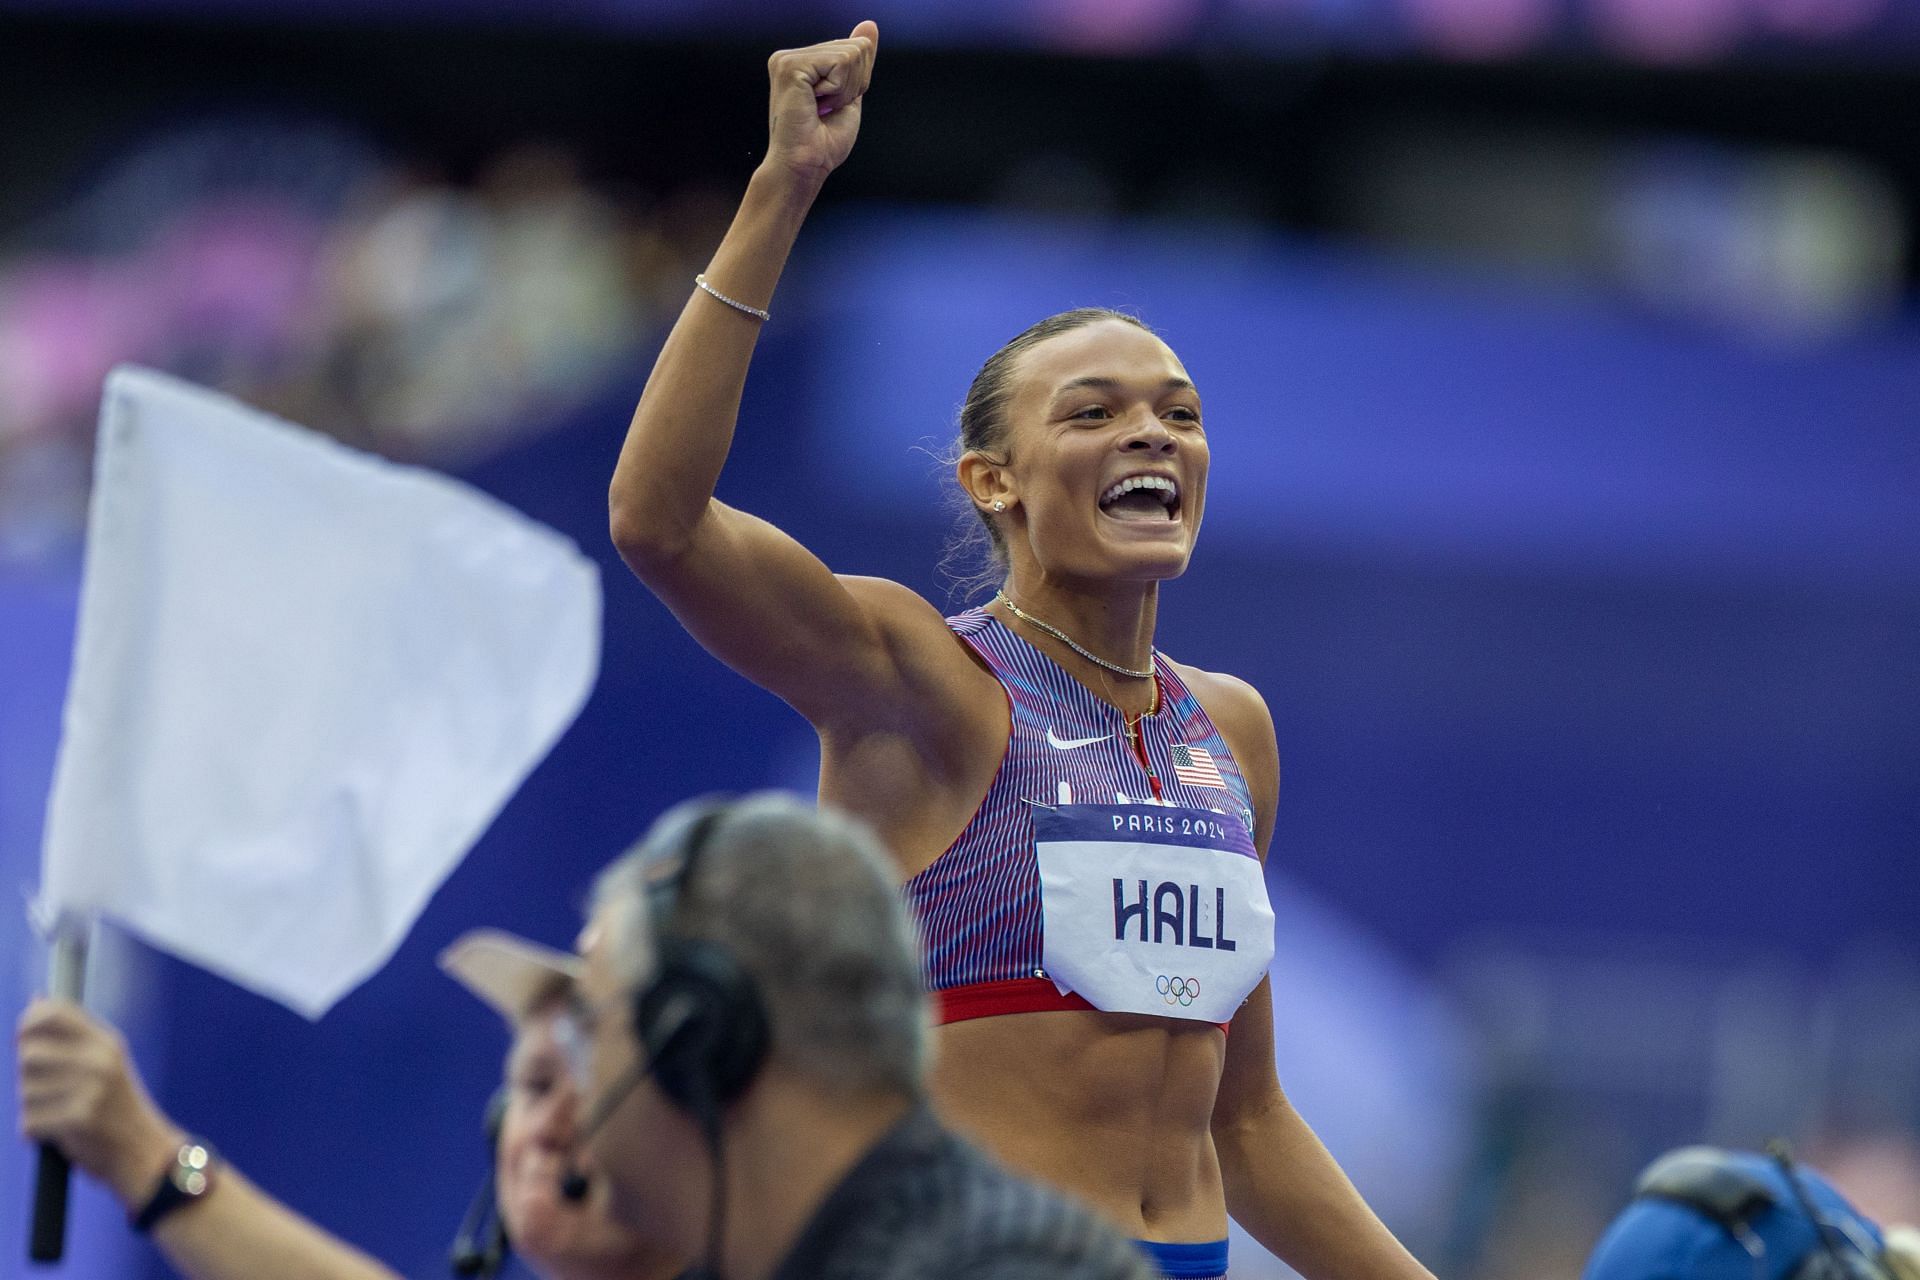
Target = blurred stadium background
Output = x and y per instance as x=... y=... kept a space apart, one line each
x=1563 y=372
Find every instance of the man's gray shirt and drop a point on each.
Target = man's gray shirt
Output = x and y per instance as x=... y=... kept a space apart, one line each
x=923 y=1205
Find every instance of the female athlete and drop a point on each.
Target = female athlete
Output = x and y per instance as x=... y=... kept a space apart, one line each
x=1034 y=761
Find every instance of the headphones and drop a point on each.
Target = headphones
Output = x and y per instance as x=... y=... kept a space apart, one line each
x=700 y=1020
x=703 y=1034
x=1717 y=1185
x=480 y=1247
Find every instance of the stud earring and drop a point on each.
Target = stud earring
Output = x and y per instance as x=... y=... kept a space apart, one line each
x=999 y=505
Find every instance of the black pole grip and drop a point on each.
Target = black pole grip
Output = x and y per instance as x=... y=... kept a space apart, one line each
x=49 y=1240
x=66 y=979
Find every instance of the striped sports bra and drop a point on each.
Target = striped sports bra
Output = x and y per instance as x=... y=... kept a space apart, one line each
x=979 y=903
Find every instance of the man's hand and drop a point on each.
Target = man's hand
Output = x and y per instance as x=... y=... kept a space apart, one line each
x=79 y=1091
x=814 y=112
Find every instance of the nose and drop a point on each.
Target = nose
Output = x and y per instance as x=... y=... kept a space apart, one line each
x=554 y=1119
x=1147 y=434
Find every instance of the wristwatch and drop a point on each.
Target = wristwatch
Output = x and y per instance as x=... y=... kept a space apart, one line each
x=189 y=1177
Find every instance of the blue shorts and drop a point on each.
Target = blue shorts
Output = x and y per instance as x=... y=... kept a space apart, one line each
x=1187 y=1261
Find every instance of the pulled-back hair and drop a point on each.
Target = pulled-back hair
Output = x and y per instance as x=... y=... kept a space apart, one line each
x=976 y=554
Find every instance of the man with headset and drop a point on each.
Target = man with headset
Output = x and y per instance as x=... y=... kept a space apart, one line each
x=80 y=1090
x=752 y=1032
x=1704 y=1213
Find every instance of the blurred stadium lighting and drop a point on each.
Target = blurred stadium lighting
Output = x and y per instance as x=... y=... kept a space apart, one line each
x=1657 y=31
x=1482 y=28
x=1821 y=19
x=1115 y=26
x=1672 y=30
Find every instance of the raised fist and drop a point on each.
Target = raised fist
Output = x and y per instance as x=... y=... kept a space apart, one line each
x=814 y=112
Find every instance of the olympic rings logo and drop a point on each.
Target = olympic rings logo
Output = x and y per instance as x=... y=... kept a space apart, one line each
x=1180 y=991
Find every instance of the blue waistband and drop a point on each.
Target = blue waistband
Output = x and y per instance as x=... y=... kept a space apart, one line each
x=1187 y=1261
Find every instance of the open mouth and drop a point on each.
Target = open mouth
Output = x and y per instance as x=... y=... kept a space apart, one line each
x=1146 y=498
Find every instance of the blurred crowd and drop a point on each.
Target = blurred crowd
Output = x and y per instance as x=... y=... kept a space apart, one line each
x=304 y=271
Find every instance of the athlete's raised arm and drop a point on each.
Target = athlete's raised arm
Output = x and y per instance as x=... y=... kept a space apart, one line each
x=753 y=596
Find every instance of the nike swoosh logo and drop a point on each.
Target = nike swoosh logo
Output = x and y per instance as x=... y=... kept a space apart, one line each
x=1068 y=744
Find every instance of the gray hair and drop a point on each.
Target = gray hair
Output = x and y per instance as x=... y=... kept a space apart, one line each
x=806 y=901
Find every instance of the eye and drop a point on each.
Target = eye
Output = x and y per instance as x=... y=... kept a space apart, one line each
x=1094 y=413
x=536 y=1084
x=1183 y=413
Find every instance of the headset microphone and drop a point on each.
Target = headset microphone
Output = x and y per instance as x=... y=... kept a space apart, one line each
x=480 y=1247
x=701 y=1025
x=573 y=1183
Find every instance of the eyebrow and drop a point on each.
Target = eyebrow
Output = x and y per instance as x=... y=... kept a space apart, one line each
x=1097 y=383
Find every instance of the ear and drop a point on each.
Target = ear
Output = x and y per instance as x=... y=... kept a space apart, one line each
x=984 y=481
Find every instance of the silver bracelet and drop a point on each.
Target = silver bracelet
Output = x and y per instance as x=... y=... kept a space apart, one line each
x=701 y=280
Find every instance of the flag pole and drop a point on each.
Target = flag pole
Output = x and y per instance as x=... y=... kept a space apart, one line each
x=66 y=980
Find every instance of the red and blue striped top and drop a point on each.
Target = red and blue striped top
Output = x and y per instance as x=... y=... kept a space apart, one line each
x=978 y=903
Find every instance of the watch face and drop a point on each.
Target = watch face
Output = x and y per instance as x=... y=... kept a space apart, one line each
x=191 y=1168
x=187 y=1179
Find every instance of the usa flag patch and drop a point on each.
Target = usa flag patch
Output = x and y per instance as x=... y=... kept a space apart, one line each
x=1195 y=767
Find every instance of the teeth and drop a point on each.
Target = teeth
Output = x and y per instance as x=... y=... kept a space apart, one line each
x=1161 y=483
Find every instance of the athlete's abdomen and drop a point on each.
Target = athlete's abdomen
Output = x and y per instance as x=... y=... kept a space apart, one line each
x=1112 y=1108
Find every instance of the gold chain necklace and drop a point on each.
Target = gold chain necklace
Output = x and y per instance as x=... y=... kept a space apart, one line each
x=1069 y=641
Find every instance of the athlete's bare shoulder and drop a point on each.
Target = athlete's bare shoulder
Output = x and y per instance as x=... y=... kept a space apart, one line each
x=1229 y=700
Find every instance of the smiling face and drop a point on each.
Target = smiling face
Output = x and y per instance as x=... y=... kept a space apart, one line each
x=559 y=1237
x=645 y=1159
x=1106 y=458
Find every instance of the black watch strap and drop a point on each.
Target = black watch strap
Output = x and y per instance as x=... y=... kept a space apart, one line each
x=189 y=1177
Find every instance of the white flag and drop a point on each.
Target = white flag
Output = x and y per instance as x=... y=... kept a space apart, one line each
x=304 y=682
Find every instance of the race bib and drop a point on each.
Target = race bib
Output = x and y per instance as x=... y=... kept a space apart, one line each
x=1152 y=909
